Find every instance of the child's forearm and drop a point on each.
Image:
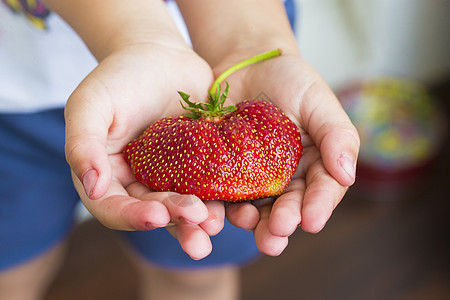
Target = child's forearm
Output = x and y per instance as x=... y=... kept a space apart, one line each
x=220 y=27
x=108 y=25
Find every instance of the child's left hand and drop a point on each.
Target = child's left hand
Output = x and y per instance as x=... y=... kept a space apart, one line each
x=327 y=167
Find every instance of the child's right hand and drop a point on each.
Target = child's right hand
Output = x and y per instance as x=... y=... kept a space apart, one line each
x=144 y=61
x=128 y=91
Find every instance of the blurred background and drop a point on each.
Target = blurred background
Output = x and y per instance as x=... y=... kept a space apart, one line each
x=389 y=63
x=349 y=39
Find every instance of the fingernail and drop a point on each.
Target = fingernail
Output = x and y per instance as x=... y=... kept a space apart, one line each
x=183 y=200
x=321 y=227
x=212 y=217
x=89 y=180
x=348 y=165
x=151 y=226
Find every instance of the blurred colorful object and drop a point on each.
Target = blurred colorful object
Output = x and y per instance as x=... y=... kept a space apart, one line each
x=33 y=10
x=400 y=127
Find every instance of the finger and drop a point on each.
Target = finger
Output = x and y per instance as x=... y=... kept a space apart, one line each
x=117 y=210
x=285 y=216
x=182 y=208
x=266 y=242
x=332 y=131
x=216 y=217
x=243 y=215
x=323 y=193
x=193 y=240
x=185 y=211
x=86 y=153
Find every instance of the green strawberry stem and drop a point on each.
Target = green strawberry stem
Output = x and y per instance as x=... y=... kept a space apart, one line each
x=242 y=64
x=214 y=108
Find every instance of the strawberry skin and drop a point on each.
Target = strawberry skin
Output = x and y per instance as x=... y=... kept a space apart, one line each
x=247 y=154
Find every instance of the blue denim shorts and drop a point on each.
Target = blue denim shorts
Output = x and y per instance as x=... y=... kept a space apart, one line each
x=38 y=200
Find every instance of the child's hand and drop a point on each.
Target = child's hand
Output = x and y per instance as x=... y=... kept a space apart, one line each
x=127 y=92
x=327 y=167
x=143 y=62
x=247 y=28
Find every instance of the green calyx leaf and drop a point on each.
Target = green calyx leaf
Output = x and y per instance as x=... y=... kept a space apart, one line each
x=215 y=107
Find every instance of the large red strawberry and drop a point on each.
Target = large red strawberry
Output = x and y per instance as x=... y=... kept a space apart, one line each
x=219 y=153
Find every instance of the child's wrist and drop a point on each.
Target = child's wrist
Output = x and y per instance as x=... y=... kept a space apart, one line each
x=239 y=52
x=156 y=40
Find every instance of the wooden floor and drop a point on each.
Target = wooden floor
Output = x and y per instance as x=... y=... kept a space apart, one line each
x=369 y=250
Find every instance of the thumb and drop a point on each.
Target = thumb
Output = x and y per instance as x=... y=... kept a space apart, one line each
x=85 y=148
x=333 y=132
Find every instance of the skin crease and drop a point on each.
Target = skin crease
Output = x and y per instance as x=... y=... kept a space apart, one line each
x=108 y=110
